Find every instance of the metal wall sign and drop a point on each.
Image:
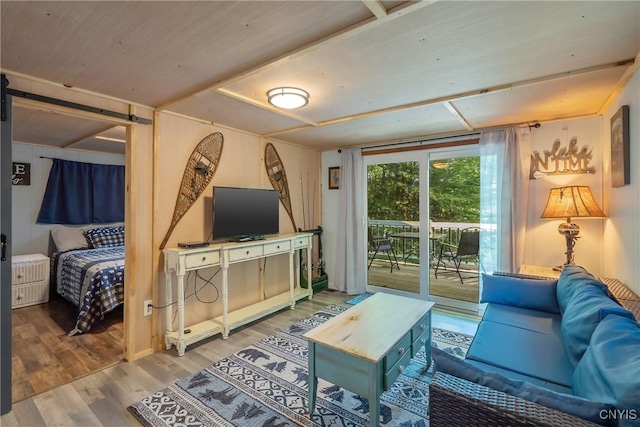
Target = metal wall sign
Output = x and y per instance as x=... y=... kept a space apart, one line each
x=561 y=160
x=21 y=173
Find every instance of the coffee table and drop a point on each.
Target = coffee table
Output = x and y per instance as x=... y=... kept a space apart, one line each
x=365 y=348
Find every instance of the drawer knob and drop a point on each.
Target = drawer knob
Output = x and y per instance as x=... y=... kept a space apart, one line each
x=401 y=351
x=247 y=252
x=19 y=276
x=204 y=258
x=423 y=327
x=400 y=368
x=423 y=341
x=278 y=247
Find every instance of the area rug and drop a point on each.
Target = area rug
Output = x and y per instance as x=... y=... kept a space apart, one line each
x=265 y=385
x=359 y=298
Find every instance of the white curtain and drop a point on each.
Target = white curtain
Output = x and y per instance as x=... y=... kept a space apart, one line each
x=504 y=195
x=350 y=266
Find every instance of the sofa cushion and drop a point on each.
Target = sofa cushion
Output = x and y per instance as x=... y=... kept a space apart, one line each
x=534 y=320
x=583 y=408
x=573 y=278
x=610 y=369
x=533 y=294
x=581 y=316
x=521 y=350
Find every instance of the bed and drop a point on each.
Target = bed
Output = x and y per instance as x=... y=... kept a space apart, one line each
x=91 y=276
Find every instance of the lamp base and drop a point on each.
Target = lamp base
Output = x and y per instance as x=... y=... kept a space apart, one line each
x=570 y=232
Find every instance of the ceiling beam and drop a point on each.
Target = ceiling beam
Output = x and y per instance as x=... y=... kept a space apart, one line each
x=621 y=84
x=453 y=110
x=376 y=7
x=350 y=31
x=468 y=94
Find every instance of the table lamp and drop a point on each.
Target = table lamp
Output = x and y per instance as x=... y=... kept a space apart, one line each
x=575 y=201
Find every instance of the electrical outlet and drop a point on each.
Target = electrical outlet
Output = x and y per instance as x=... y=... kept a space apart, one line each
x=148 y=307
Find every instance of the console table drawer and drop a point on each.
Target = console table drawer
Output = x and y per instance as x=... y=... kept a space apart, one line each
x=301 y=242
x=392 y=374
x=398 y=352
x=202 y=260
x=249 y=252
x=277 y=247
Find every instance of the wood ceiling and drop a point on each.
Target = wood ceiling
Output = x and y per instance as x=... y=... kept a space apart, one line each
x=376 y=71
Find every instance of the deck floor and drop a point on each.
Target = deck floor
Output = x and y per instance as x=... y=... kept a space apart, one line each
x=447 y=284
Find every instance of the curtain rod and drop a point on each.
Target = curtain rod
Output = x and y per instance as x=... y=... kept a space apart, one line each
x=438 y=138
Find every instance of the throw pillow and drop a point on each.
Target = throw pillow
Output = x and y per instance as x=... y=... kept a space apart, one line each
x=68 y=238
x=103 y=237
x=581 y=317
x=572 y=278
x=533 y=294
x=610 y=369
x=578 y=406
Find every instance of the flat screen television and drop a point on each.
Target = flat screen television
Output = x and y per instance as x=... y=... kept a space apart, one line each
x=241 y=214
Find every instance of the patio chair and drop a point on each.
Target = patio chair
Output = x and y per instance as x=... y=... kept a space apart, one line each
x=466 y=250
x=382 y=244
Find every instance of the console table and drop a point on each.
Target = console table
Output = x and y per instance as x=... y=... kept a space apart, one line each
x=179 y=261
x=365 y=348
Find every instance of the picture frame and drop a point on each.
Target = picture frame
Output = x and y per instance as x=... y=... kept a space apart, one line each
x=620 y=159
x=334 y=178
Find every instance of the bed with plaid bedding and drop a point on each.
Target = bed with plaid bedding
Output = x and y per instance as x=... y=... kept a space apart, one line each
x=91 y=279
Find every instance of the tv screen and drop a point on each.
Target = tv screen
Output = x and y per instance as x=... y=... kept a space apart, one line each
x=245 y=213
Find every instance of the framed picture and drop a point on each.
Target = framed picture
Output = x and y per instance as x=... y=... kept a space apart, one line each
x=334 y=178
x=620 y=162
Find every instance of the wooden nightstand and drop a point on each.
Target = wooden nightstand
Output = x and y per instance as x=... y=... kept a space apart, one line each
x=537 y=270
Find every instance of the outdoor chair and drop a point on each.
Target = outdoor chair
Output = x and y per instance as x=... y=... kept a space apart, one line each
x=466 y=250
x=384 y=244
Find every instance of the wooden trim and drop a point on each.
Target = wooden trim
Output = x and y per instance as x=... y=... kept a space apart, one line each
x=432 y=146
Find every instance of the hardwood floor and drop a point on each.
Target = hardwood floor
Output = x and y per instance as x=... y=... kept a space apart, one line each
x=44 y=357
x=102 y=398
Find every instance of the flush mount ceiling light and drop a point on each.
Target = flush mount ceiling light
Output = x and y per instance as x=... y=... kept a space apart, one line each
x=288 y=97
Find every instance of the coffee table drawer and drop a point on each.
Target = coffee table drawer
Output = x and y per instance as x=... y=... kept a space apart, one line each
x=421 y=326
x=392 y=374
x=397 y=352
x=420 y=341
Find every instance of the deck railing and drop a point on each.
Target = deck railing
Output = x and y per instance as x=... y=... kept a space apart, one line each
x=409 y=247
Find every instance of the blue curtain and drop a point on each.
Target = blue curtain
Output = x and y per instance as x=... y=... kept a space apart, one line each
x=83 y=193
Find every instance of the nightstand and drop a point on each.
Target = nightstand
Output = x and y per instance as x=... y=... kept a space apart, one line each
x=29 y=280
x=540 y=271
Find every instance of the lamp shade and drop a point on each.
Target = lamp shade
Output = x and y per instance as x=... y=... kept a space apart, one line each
x=288 y=97
x=572 y=202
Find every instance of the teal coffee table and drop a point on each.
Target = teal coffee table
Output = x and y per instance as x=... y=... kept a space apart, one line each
x=365 y=348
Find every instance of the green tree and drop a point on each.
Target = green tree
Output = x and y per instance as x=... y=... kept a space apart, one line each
x=394 y=188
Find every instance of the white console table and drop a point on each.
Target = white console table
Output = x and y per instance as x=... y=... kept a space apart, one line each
x=179 y=261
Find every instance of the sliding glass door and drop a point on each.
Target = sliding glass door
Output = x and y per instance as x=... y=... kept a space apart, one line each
x=417 y=205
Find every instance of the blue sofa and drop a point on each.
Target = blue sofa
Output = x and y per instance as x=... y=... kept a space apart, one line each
x=567 y=348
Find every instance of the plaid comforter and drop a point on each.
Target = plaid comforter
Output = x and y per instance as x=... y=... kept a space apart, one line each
x=91 y=279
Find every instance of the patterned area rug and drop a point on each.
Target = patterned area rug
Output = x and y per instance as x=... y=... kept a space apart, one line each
x=358 y=298
x=265 y=385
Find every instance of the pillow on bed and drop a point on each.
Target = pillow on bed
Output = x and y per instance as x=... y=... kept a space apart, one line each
x=67 y=238
x=104 y=237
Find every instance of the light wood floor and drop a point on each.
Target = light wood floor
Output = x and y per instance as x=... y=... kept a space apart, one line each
x=44 y=357
x=102 y=398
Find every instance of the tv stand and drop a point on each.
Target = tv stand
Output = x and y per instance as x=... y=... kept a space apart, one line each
x=179 y=261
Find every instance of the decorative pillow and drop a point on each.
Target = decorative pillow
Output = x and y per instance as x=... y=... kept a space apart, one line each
x=610 y=369
x=68 y=238
x=586 y=309
x=525 y=293
x=103 y=237
x=578 y=406
x=573 y=278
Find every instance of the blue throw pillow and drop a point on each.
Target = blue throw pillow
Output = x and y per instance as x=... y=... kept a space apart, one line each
x=610 y=369
x=581 y=317
x=533 y=294
x=572 y=278
x=580 y=407
x=104 y=237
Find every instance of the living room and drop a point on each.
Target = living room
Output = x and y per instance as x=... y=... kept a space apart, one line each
x=156 y=155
